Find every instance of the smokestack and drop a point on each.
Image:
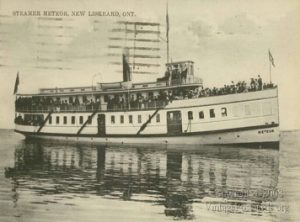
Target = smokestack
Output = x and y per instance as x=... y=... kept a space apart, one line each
x=126 y=67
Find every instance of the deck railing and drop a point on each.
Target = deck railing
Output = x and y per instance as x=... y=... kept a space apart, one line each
x=110 y=106
x=92 y=107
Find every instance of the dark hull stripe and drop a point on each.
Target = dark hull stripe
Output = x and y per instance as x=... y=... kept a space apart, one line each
x=149 y=135
x=270 y=145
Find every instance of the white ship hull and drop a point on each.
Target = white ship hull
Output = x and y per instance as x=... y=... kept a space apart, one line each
x=251 y=118
x=261 y=137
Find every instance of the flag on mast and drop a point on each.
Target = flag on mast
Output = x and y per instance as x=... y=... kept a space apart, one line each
x=17 y=84
x=271 y=59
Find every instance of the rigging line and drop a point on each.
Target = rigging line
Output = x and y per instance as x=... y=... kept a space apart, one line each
x=140 y=23
x=161 y=38
x=137 y=48
x=136 y=56
x=132 y=39
x=139 y=72
x=138 y=64
x=135 y=31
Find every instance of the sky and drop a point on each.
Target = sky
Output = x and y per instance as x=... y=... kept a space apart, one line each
x=228 y=41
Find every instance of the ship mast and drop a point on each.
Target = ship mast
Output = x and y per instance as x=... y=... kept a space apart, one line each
x=167 y=33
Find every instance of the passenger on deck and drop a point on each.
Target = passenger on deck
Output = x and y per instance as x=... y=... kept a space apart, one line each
x=252 y=84
x=259 y=83
x=76 y=102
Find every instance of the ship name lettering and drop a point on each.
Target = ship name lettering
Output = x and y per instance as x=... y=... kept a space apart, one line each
x=266 y=131
x=55 y=13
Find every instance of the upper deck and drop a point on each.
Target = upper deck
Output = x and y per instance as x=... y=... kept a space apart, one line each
x=110 y=88
x=178 y=75
x=178 y=83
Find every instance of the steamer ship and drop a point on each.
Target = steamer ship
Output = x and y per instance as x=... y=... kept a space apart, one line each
x=174 y=109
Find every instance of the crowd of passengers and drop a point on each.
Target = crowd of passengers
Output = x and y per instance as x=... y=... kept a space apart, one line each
x=32 y=120
x=41 y=102
x=239 y=87
x=120 y=102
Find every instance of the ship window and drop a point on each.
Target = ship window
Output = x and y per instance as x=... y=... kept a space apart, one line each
x=224 y=112
x=157 y=118
x=149 y=118
x=65 y=120
x=50 y=119
x=57 y=120
x=139 y=118
x=212 y=113
x=190 y=115
x=112 y=119
x=247 y=110
x=121 y=119
x=89 y=120
x=73 y=120
x=201 y=115
x=81 y=119
x=130 y=118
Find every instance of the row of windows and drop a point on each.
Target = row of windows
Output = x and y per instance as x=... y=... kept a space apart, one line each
x=267 y=109
x=212 y=113
x=113 y=119
x=130 y=119
x=237 y=111
x=73 y=120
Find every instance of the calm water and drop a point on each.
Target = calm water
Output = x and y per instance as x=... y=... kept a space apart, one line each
x=43 y=181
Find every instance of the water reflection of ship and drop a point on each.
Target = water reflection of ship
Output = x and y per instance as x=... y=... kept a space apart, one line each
x=175 y=178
